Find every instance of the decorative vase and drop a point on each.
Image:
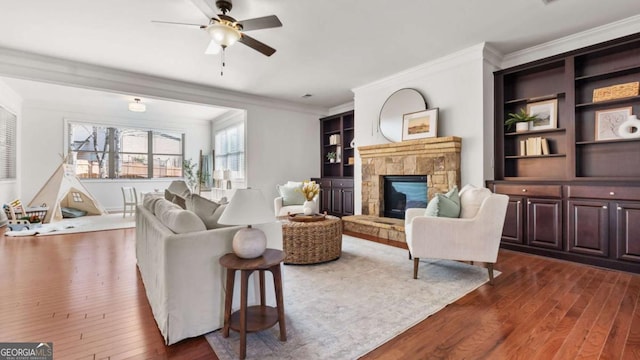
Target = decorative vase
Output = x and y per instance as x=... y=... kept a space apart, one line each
x=630 y=128
x=249 y=243
x=332 y=160
x=308 y=207
x=522 y=126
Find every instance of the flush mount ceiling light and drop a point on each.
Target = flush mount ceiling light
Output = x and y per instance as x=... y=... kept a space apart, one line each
x=137 y=106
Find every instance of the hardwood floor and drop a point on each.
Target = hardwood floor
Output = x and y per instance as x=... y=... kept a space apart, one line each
x=83 y=293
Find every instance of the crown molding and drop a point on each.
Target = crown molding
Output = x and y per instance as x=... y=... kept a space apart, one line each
x=338 y=109
x=231 y=115
x=36 y=67
x=435 y=66
x=575 y=41
x=492 y=55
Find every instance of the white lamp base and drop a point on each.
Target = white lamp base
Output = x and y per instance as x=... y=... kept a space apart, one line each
x=249 y=243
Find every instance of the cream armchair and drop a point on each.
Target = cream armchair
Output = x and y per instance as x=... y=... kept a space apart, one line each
x=475 y=236
x=281 y=210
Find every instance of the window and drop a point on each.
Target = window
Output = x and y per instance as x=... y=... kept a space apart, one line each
x=230 y=150
x=8 y=134
x=104 y=152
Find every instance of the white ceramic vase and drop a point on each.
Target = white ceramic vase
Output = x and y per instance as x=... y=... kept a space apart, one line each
x=522 y=126
x=308 y=207
x=630 y=129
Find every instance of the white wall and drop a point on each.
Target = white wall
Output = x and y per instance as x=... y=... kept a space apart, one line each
x=454 y=84
x=10 y=100
x=282 y=145
x=43 y=147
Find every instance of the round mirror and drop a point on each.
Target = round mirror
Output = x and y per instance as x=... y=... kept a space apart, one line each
x=401 y=102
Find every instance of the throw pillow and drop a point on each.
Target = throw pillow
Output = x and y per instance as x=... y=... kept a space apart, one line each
x=149 y=201
x=163 y=206
x=168 y=195
x=182 y=221
x=180 y=201
x=444 y=205
x=180 y=188
x=68 y=212
x=208 y=211
x=291 y=194
x=471 y=198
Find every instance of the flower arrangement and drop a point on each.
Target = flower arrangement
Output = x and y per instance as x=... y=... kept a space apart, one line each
x=310 y=189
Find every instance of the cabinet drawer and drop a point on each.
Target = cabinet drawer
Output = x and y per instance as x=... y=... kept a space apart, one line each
x=604 y=192
x=342 y=183
x=529 y=190
x=324 y=183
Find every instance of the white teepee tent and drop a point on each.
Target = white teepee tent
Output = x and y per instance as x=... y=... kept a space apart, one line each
x=63 y=189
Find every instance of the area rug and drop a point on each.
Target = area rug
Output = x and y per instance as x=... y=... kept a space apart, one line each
x=77 y=225
x=346 y=308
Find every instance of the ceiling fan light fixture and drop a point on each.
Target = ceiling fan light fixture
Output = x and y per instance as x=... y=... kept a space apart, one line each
x=213 y=48
x=137 y=106
x=223 y=34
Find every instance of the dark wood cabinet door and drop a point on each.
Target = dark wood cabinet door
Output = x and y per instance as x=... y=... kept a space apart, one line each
x=325 y=200
x=544 y=219
x=513 y=222
x=347 y=201
x=336 y=201
x=588 y=227
x=628 y=230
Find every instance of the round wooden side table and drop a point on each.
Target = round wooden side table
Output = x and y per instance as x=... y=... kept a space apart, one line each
x=258 y=317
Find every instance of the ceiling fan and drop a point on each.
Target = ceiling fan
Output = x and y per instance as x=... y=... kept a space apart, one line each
x=226 y=31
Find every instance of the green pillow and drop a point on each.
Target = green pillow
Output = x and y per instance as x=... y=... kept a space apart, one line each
x=291 y=194
x=444 y=205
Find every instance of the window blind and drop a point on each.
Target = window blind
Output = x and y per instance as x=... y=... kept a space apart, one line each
x=8 y=134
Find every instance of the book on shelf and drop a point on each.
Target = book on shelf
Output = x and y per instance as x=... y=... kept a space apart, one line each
x=545 y=147
x=534 y=146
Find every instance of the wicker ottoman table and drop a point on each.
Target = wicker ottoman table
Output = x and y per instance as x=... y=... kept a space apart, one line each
x=311 y=242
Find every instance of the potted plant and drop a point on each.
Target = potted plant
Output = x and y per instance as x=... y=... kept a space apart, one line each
x=521 y=119
x=331 y=155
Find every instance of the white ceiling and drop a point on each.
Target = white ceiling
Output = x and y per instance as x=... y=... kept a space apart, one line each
x=324 y=48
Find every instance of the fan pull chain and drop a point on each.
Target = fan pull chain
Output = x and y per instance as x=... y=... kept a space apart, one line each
x=222 y=62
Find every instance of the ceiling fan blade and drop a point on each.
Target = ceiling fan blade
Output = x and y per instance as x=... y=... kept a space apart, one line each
x=178 y=23
x=257 y=45
x=264 y=22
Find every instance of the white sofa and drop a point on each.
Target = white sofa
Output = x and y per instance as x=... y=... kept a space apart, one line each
x=183 y=279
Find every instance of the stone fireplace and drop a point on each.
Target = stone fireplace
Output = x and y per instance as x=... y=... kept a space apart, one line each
x=436 y=158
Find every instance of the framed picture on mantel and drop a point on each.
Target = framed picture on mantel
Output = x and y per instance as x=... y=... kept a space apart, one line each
x=420 y=125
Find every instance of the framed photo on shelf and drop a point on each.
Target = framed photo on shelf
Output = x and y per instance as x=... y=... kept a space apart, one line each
x=547 y=112
x=608 y=122
x=420 y=125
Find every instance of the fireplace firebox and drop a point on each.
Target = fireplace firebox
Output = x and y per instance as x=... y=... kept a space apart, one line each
x=402 y=192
